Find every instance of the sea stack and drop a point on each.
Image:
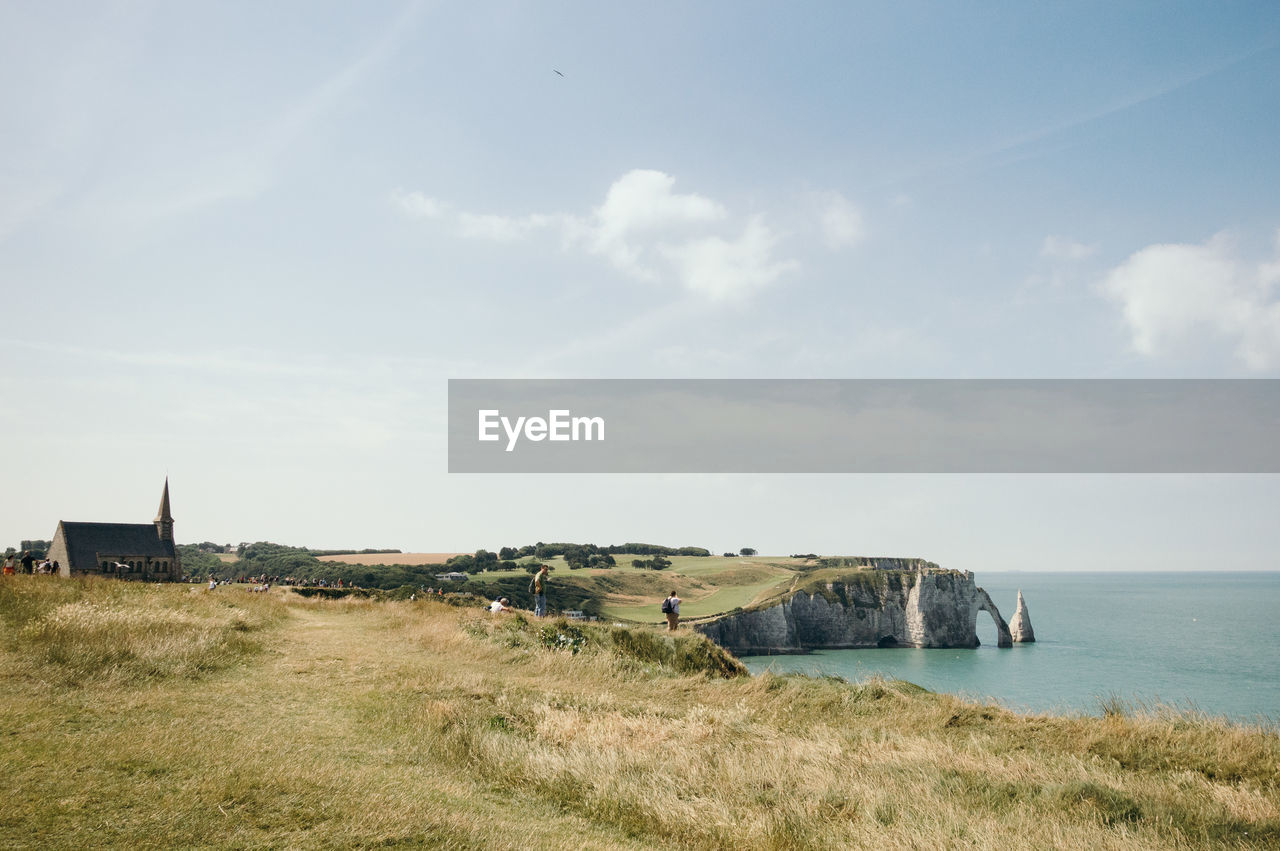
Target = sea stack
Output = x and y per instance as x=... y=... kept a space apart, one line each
x=1020 y=626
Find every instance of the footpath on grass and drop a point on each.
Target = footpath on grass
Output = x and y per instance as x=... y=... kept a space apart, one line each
x=293 y=747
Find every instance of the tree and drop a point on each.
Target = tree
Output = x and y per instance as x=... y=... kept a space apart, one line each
x=464 y=564
x=655 y=563
x=747 y=551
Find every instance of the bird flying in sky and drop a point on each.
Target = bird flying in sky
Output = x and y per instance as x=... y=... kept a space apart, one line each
x=553 y=69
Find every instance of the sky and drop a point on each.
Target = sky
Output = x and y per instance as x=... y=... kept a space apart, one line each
x=246 y=245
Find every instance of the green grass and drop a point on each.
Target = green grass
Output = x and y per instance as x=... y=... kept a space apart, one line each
x=625 y=593
x=357 y=723
x=703 y=593
x=708 y=585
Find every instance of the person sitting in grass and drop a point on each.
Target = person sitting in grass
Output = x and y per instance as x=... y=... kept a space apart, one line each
x=502 y=604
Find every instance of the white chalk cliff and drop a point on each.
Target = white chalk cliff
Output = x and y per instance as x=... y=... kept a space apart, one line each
x=926 y=607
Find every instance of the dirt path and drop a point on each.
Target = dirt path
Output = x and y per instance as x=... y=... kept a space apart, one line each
x=331 y=681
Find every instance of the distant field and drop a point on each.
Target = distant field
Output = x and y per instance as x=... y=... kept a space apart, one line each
x=226 y=557
x=706 y=585
x=392 y=558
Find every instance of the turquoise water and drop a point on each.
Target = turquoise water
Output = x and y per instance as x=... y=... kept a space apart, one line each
x=1209 y=641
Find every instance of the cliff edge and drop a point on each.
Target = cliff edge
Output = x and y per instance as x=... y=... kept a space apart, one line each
x=837 y=609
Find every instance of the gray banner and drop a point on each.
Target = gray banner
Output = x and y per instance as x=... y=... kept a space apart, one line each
x=864 y=426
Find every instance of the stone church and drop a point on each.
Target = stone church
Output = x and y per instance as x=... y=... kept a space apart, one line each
x=142 y=552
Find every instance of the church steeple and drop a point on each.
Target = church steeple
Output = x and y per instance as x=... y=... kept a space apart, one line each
x=164 y=520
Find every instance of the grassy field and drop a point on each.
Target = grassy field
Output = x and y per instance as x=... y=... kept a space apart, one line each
x=707 y=585
x=140 y=716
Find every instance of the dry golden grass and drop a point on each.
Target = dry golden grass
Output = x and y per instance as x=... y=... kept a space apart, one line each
x=354 y=723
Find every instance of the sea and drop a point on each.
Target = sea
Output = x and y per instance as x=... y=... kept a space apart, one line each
x=1205 y=642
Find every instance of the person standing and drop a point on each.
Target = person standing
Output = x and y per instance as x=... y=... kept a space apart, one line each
x=538 y=585
x=671 y=608
x=28 y=560
x=10 y=566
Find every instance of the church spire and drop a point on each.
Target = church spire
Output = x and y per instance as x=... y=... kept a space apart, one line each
x=164 y=520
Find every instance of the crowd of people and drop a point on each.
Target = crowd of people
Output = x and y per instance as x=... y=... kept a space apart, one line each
x=13 y=564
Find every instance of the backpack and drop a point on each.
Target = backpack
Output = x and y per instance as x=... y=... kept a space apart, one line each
x=666 y=606
x=533 y=585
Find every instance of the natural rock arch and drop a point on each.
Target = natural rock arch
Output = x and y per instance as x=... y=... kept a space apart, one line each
x=1003 y=637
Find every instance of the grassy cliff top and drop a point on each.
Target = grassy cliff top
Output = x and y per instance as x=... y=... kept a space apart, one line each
x=836 y=583
x=343 y=723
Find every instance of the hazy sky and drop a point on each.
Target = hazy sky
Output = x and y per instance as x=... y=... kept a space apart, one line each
x=246 y=244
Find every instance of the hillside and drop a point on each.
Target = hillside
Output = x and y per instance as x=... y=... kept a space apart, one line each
x=707 y=585
x=135 y=716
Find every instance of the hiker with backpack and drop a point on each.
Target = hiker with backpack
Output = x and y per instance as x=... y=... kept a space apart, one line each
x=671 y=608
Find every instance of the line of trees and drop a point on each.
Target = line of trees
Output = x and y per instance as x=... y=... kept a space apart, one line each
x=37 y=548
x=401 y=580
x=576 y=556
x=304 y=566
x=542 y=550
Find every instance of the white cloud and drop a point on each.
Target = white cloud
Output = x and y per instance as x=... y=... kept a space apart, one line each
x=1062 y=248
x=652 y=233
x=503 y=228
x=638 y=206
x=642 y=200
x=721 y=269
x=841 y=222
x=418 y=205
x=1174 y=294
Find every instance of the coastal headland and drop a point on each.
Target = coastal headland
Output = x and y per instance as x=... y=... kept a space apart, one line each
x=867 y=603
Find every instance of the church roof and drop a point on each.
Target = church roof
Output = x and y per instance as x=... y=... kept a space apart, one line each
x=85 y=540
x=165 y=516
